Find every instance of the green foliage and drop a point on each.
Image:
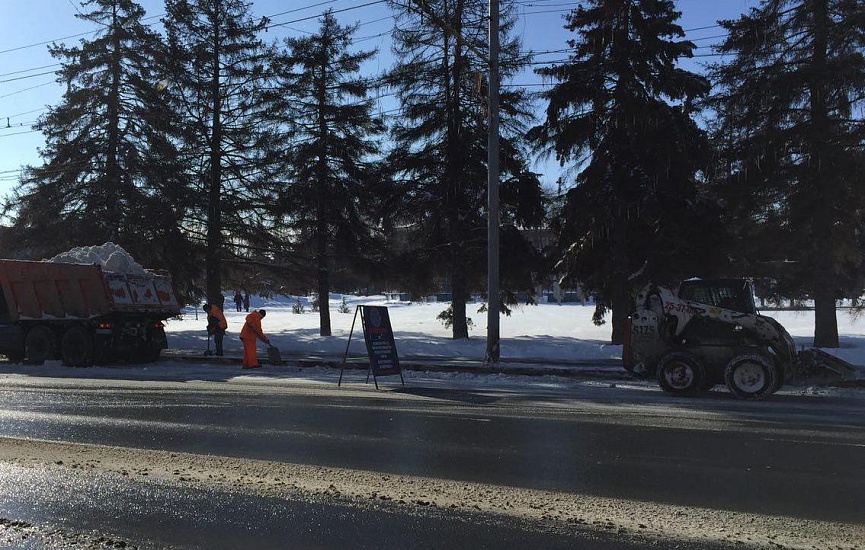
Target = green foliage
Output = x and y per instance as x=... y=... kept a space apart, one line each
x=329 y=208
x=440 y=146
x=447 y=318
x=112 y=168
x=343 y=307
x=790 y=148
x=215 y=66
x=297 y=306
x=620 y=114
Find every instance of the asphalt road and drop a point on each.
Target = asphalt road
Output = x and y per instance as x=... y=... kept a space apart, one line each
x=795 y=456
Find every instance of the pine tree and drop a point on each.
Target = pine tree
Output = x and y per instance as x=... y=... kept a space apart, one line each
x=619 y=115
x=790 y=108
x=328 y=207
x=439 y=157
x=217 y=66
x=111 y=168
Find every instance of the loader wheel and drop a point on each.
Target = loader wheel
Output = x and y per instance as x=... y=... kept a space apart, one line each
x=37 y=346
x=751 y=376
x=680 y=373
x=76 y=347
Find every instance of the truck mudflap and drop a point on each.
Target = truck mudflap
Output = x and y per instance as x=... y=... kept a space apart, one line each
x=817 y=365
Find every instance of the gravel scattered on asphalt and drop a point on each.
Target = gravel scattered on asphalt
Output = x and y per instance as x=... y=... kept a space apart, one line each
x=362 y=488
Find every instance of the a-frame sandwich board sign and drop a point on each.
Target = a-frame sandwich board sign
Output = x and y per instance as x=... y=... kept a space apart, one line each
x=380 y=345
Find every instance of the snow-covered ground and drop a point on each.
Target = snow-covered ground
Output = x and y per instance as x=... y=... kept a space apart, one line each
x=544 y=333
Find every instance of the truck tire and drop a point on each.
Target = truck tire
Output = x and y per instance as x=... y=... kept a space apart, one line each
x=38 y=345
x=152 y=355
x=751 y=376
x=681 y=373
x=76 y=347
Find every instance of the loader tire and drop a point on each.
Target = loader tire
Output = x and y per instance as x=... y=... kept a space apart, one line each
x=76 y=347
x=681 y=373
x=751 y=376
x=38 y=345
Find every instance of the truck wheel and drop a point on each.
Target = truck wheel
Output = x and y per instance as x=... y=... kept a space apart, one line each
x=680 y=373
x=152 y=355
x=76 y=347
x=38 y=345
x=751 y=376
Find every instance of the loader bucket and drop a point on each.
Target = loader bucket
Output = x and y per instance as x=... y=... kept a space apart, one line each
x=815 y=365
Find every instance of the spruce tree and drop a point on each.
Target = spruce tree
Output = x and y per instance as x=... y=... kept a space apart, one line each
x=216 y=71
x=328 y=205
x=620 y=117
x=791 y=133
x=440 y=147
x=110 y=169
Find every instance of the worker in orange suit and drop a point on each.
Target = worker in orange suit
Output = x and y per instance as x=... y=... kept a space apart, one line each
x=216 y=325
x=248 y=335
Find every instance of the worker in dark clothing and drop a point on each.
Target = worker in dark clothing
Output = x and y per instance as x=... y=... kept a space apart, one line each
x=238 y=300
x=246 y=302
x=249 y=334
x=216 y=325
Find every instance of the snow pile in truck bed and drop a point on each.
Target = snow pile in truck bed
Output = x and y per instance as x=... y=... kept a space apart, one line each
x=110 y=256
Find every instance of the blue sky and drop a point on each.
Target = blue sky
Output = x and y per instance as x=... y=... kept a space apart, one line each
x=27 y=82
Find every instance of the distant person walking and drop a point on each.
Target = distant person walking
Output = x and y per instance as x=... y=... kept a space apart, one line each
x=250 y=333
x=246 y=301
x=216 y=325
x=238 y=300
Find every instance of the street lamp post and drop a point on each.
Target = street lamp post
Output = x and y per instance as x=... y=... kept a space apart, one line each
x=493 y=299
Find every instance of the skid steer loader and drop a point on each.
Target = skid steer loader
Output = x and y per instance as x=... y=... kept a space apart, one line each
x=708 y=332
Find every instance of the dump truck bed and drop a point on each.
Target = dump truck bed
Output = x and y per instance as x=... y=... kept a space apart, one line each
x=55 y=290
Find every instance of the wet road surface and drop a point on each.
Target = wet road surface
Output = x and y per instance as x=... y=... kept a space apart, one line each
x=120 y=512
x=794 y=456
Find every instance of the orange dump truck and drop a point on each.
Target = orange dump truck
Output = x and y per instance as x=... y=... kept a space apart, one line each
x=81 y=314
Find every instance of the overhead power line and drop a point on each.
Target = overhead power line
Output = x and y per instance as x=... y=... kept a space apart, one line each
x=334 y=12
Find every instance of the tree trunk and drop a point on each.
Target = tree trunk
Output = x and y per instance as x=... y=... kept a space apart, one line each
x=621 y=308
x=321 y=225
x=112 y=167
x=825 y=318
x=323 y=301
x=213 y=252
x=820 y=183
x=458 y=303
x=620 y=294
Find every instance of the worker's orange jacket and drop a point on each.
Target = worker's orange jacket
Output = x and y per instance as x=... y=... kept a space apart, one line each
x=216 y=311
x=252 y=328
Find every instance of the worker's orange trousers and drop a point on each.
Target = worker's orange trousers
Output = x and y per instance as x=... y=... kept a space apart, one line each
x=250 y=357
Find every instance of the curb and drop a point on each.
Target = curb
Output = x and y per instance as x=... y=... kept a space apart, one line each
x=584 y=368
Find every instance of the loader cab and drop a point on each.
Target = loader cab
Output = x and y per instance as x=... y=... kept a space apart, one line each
x=733 y=294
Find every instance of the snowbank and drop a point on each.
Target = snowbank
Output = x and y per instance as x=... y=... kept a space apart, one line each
x=110 y=256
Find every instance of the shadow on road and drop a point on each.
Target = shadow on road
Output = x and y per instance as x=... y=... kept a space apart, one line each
x=460 y=396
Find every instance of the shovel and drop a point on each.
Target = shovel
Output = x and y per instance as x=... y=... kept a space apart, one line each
x=273 y=355
x=208 y=353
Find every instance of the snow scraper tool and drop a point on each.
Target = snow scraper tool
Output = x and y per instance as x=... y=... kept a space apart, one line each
x=273 y=355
